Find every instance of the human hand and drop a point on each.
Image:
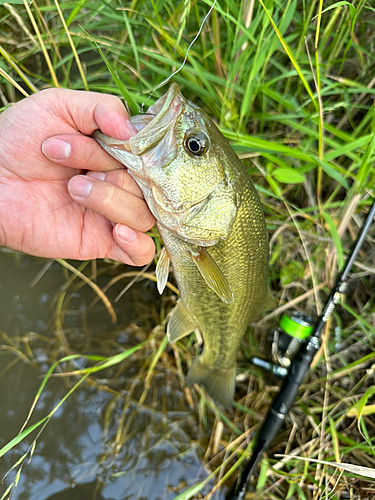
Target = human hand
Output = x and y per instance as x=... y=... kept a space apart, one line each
x=48 y=207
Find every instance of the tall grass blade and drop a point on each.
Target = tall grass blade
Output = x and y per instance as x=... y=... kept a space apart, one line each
x=76 y=57
x=7 y=77
x=93 y=285
x=336 y=239
x=129 y=100
x=290 y=55
x=42 y=45
x=353 y=469
x=12 y=63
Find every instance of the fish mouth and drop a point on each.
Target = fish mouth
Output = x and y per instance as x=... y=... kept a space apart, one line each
x=152 y=126
x=153 y=146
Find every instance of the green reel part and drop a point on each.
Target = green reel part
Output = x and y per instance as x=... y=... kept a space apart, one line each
x=297 y=325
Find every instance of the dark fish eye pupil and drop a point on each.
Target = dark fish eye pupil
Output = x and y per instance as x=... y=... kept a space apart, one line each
x=194 y=145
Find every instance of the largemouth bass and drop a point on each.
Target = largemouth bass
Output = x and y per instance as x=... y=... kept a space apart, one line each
x=211 y=222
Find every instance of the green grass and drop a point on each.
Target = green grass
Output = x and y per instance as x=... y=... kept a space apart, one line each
x=291 y=84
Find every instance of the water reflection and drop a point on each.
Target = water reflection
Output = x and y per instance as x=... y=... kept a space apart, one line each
x=100 y=444
x=89 y=491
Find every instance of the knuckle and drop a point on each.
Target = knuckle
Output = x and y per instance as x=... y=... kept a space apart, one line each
x=114 y=100
x=149 y=248
x=119 y=178
x=146 y=219
x=89 y=157
x=146 y=252
x=109 y=196
x=125 y=179
x=51 y=95
x=50 y=91
x=127 y=183
x=55 y=98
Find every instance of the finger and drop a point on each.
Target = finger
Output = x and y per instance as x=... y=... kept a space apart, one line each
x=112 y=122
x=140 y=248
x=120 y=178
x=100 y=240
x=79 y=152
x=114 y=203
x=89 y=111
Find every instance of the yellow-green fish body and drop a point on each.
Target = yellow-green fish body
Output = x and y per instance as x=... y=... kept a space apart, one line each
x=211 y=222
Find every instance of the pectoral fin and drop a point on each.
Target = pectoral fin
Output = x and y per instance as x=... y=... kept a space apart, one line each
x=212 y=274
x=162 y=270
x=180 y=323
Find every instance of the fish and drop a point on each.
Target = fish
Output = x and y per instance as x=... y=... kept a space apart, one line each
x=211 y=221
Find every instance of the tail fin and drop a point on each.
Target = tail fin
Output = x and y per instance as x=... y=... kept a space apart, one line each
x=219 y=383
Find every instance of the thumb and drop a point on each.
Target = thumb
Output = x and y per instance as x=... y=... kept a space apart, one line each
x=85 y=112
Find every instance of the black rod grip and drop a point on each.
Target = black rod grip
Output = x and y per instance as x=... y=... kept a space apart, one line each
x=297 y=374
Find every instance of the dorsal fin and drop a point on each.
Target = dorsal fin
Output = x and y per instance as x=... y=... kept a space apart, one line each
x=212 y=274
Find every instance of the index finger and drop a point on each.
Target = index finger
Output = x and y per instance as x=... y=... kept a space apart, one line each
x=79 y=152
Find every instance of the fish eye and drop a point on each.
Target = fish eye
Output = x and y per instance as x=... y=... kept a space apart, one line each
x=196 y=143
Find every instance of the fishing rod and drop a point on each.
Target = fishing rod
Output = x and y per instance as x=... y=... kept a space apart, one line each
x=298 y=370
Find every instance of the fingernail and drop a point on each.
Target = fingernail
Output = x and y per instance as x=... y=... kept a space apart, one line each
x=56 y=149
x=79 y=185
x=125 y=233
x=131 y=127
x=96 y=175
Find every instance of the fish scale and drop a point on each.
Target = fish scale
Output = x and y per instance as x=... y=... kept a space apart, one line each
x=211 y=221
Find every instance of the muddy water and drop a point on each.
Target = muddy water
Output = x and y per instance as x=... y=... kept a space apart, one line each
x=101 y=443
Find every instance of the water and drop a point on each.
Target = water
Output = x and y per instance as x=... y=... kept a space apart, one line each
x=101 y=443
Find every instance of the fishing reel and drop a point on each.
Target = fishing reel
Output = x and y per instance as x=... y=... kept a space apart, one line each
x=293 y=330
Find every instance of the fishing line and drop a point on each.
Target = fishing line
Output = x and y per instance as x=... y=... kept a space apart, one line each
x=186 y=55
